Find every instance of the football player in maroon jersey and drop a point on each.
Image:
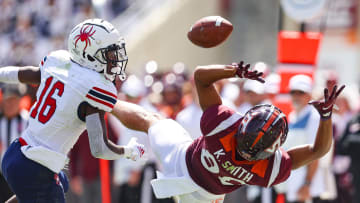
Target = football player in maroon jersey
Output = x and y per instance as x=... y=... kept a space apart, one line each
x=255 y=138
x=234 y=150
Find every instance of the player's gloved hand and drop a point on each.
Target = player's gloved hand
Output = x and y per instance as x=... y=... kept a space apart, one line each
x=242 y=71
x=134 y=150
x=324 y=107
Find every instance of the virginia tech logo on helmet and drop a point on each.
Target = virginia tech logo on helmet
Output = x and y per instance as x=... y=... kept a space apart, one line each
x=86 y=33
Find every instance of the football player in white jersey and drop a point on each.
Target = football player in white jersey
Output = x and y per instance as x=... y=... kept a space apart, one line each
x=76 y=89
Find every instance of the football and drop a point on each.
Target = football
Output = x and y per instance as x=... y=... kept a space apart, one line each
x=210 y=31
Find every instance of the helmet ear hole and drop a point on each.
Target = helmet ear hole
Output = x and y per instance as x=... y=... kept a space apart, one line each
x=90 y=58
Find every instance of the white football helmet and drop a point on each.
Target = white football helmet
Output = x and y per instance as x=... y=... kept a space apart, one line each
x=94 y=44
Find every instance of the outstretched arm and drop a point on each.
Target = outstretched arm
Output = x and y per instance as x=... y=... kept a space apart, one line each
x=26 y=74
x=206 y=76
x=303 y=155
x=134 y=116
x=100 y=145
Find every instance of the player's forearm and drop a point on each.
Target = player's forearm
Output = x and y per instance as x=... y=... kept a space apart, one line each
x=15 y=74
x=207 y=75
x=134 y=116
x=112 y=146
x=323 y=139
x=305 y=154
x=30 y=75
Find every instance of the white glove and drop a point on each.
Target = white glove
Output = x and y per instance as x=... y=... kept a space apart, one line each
x=134 y=150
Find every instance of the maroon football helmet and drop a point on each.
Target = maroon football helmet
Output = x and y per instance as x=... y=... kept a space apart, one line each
x=261 y=132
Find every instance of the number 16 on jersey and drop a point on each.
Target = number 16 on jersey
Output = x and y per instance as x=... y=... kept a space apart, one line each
x=48 y=107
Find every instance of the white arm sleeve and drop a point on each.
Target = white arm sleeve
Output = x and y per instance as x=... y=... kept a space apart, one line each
x=97 y=145
x=9 y=74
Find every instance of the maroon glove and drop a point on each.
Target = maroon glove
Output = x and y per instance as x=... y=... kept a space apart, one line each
x=324 y=107
x=242 y=71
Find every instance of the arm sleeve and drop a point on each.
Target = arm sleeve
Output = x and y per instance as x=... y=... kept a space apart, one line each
x=97 y=146
x=9 y=74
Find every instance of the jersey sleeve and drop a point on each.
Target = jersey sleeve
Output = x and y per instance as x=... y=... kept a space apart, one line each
x=55 y=63
x=55 y=59
x=281 y=167
x=217 y=118
x=102 y=97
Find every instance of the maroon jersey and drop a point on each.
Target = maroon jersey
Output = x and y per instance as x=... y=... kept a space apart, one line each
x=211 y=158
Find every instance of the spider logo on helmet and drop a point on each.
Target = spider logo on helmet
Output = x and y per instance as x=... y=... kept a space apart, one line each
x=107 y=55
x=85 y=36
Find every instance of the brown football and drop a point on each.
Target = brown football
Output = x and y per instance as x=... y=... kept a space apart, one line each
x=210 y=31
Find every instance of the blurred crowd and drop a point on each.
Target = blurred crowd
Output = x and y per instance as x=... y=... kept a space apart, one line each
x=172 y=94
x=30 y=29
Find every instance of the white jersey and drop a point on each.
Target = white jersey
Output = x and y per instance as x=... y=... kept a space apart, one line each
x=54 y=122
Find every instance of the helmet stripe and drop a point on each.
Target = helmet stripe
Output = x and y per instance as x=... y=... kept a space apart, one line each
x=279 y=117
x=270 y=114
x=273 y=116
